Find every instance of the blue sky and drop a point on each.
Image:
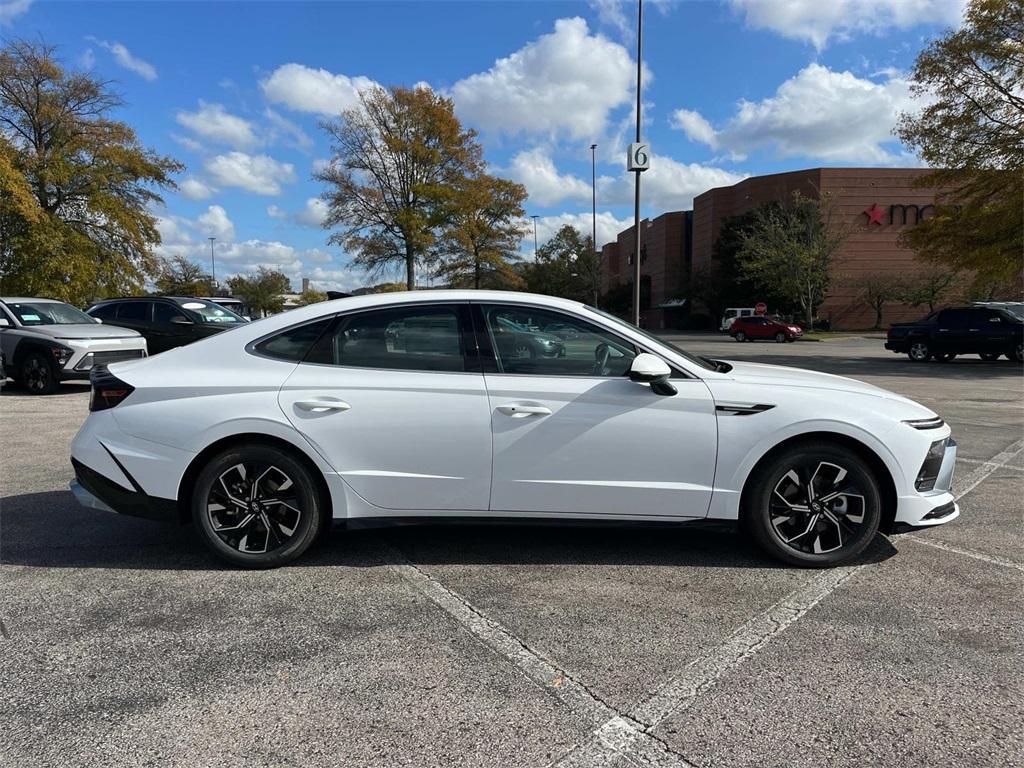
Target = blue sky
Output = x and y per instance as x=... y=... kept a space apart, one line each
x=739 y=87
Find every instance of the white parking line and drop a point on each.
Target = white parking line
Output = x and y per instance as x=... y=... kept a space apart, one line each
x=612 y=741
x=993 y=559
x=976 y=476
x=541 y=671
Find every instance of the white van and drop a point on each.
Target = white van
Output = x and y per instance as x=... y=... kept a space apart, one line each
x=732 y=313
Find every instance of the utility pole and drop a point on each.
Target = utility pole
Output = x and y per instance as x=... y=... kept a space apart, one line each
x=535 y=217
x=636 y=202
x=213 y=267
x=593 y=212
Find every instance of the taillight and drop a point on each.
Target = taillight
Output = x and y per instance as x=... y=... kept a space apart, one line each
x=107 y=389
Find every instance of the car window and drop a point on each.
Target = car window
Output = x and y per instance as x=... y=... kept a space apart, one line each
x=954 y=318
x=104 y=312
x=208 y=312
x=136 y=311
x=420 y=338
x=293 y=344
x=984 y=318
x=165 y=312
x=522 y=348
x=47 y=313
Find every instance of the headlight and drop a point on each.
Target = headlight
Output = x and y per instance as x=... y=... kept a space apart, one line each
x=933 y=423
x=62 y=355
x=932 y=463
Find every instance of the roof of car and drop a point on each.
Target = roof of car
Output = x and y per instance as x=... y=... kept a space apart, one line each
x=149 y=298
x=19 y=299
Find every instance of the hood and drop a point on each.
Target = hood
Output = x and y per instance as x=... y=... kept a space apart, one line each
x=778 y=375
x=82 y=331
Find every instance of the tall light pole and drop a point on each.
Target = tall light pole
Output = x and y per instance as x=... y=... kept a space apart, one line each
x=636 y=202
x=593 y=211
x=535 y=217
x=213 y=267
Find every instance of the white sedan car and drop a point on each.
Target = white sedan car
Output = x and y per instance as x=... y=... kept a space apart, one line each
x=425 y=404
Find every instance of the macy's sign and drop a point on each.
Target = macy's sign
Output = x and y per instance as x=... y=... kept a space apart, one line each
x=898 y=215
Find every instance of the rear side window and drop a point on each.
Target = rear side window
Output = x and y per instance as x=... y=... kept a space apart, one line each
x=424 y=338
x=954 y=318
x=294 y=343
x=133 y=310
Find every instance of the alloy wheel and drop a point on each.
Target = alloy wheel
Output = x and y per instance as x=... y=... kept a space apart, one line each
x=816 y=508
x=1018 y=352
x=741 y=336
x=780 y=337
x=254 y=508
x=919 y=352
x=36 y=375
x=522 y=351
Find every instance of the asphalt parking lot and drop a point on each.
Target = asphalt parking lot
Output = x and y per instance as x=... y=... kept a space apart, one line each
x=124 y=643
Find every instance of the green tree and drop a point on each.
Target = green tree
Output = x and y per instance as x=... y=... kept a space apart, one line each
x=875 y=291
x=262 y=291
x=311 y=296
x=89 y=231
x=180 y=276
x=722 y=284
x=566 y=265
x=927 y=287
x=972 y=130
x=396 y=156
x=479 y=243
x=789 y=250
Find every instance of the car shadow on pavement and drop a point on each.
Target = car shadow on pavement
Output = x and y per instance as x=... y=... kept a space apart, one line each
x=49 y=530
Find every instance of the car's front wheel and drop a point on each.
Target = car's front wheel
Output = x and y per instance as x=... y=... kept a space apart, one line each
x=1018 y=352
x=780 y=338
x=919 y=352
x=740 y=336
x=815 y=505
x=38 y=375
x=257 y=506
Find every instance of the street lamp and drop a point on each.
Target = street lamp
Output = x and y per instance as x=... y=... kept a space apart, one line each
x=636 y=202
x=593 y=209
x=213 y=267
x=535 y=217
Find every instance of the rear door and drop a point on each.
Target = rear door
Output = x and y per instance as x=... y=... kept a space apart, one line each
x=394 y=400
x=996 y=332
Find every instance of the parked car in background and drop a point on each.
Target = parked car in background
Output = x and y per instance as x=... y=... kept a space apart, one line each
x=944 y=334
x=517 y=340
x=752 y=328
x=731 y=313
x=167 y=321
x=44 y=342
x=230 y=302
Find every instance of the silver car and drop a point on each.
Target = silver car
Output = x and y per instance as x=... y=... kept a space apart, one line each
x=44 y=342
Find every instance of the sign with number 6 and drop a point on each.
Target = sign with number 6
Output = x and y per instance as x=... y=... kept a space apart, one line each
x=639 y=158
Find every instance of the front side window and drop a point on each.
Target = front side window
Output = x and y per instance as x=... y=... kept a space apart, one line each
x=104 y=311
x=165 y=312
x=208 y=312
x=417 y=338
x=954 y=318
x=136 y=311
x=48 y=313
x=578 y=349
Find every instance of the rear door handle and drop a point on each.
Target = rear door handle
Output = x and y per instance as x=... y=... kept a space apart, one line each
x=322 y=406
x=517 y=411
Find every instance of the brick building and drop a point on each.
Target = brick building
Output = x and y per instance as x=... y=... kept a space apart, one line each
x=875 y=204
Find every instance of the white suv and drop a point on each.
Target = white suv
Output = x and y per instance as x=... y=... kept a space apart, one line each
x=45 y=342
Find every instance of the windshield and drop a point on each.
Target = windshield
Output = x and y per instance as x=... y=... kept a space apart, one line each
x=698 y=361
x=208 y=312
x=48 y=313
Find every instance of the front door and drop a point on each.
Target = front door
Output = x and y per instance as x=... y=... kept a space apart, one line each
x=172 y=327
x=387 y=397
x=572 y=434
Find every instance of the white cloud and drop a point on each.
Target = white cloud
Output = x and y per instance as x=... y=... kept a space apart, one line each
x=292 y=134
x=127 y=59
x=608 y=228
x=565 y=82
x=87 y=60
x=818 y=113
x=311 y=215
x=535 y=169
x=215 y=223
x=194 y=189
x=313 y=90
x=12 y=9
x=214 y=123
x=610 y=13
x=694 y=126
x=816 y=21
x=259 y=174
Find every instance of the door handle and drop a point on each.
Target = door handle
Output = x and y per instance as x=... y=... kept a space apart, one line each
x=322 y=406
x=517 y=411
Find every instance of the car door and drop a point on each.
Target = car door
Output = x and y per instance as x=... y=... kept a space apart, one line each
x=953 y=334
x=172 y=326
x=394 y=400
x=995 y=332
x=572 y=434
x=135 y=314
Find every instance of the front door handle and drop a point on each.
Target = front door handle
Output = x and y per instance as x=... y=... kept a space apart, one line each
x=517 y=411
x=322 y=406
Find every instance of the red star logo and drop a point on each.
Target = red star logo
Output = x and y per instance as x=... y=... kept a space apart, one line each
x=874 y=214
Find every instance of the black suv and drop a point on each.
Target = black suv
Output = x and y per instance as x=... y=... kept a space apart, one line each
x=946 y=333
x=167 y=321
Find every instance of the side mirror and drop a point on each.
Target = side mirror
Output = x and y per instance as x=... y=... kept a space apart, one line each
x=4 y=322
x=651 y=369
x=97 y=320
x=181 y=320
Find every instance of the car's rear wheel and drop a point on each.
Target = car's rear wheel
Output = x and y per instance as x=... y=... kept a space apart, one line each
x=1018 y=352
x=989 y=357
x=815 y=505
x=257 y=506
x=780 y=338
x=919 y=352
x=523 y=351
x=943 y=357
x=740 y=336
x=38 y=375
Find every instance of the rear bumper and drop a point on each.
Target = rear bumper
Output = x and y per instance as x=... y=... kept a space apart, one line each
x=95 y=491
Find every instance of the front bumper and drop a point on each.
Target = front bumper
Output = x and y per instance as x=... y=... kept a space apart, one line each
x=86 y=354
x=938 y=506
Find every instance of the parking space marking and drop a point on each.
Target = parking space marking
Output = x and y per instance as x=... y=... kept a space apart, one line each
x=993 y=559
x=611 y=741
x=574 y=694
x=979 y=461
x=976 y=476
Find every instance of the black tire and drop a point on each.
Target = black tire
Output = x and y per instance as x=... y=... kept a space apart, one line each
x=919 y=352
x=989 y=357
x=227 y=510
x=37 y=374
x=524 y=351
x=1018 y=352
x=780 y=338
x=944 y=357
x=740 y=336
x=834 y=531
